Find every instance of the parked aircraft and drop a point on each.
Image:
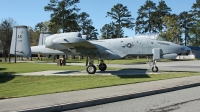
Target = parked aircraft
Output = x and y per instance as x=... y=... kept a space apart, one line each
x=20 y=44
x=43 y=50
x=100 y=49
x=115 y=48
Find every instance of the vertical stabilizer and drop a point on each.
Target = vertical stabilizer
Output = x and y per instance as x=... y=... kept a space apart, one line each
x=20 y=44
x=43 y=36
x=85 y=37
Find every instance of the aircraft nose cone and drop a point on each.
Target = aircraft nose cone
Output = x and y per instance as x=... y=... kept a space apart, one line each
x=185 y=50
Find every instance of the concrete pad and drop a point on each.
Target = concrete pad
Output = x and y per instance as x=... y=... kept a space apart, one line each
x=84 y=72
x=133 y=69
x=192 y=65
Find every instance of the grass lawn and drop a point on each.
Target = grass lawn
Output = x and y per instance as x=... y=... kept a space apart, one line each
x=6 y=68
x=19 y=86
x=23 y=67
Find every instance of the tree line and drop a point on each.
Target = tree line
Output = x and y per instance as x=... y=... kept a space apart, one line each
x=180 y=28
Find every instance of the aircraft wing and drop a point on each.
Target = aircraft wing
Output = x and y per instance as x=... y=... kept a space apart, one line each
x=74 y=42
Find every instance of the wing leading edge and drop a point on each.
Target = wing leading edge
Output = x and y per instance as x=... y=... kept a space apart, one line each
x=74 y=42
x=79 y=45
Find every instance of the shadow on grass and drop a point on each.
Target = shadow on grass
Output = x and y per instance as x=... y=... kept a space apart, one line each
x=66 y=72
x=6 y=78
x=135 y=69
x=3 y=69
x=123 y=73
x=127 y=73
x=134 y=76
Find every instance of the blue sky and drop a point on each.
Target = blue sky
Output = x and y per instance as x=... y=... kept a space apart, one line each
x=31 y=12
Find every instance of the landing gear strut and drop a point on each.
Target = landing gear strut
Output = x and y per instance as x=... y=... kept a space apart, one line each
x=153 y=66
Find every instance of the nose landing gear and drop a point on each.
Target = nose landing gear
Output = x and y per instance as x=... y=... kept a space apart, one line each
x=153 y=66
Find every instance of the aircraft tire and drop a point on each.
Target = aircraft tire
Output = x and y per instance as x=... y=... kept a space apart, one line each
x=91 y=69
x=154 y=69
x=102 y=66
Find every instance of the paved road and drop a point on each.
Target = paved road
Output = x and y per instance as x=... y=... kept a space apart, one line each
x=187 y=100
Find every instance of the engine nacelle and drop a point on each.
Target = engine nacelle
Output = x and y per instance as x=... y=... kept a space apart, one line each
x=169 y=56
x=51 y=42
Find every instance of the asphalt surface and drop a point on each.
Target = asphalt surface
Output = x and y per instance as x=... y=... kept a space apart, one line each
x=186 y=100
x=83 y=98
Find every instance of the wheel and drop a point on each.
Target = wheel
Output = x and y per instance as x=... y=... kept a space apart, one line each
x=91 y=69
x=155 y=69
x=102 y=66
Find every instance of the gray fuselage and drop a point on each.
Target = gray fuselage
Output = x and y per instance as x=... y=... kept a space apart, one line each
x=118 y=48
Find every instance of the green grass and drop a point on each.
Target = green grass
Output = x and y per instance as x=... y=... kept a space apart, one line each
x=14 y=68
x=23 y=67
x=19 y=86
x=33 y=67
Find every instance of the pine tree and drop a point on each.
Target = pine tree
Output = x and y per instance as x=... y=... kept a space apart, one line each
x=146 y=20
x=64 y=14
x=122 y=18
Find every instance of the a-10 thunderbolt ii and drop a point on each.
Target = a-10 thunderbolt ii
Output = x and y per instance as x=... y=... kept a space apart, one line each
x=143 y=45
x=20 y=44
x=43 y=50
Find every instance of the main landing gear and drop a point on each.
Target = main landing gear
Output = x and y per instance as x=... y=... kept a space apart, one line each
x=102 y=66
x=153 y=66
x=91 y=68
